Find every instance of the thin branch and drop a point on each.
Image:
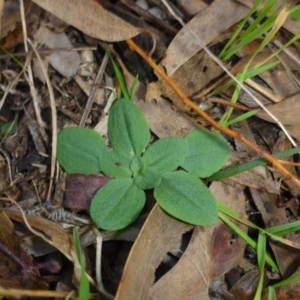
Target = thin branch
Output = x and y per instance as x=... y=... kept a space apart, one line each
x=54 y=119
x=93 y=90
x=205 y=116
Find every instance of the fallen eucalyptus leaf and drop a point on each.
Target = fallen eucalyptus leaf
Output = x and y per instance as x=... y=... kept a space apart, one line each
x=91 y=18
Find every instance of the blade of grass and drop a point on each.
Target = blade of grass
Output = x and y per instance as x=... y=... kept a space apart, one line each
x=279 y=21
x=251 y=37
x=284 y=229
x=229 y=212
x=254 y=71
x=223 y=174
x=271 y=293
x=261 y=259
x=136 y=79
x=240 y=27
x=254 y=31
x=286 y=281
x=247 y=239
x=84 y=289
x=18 y=62
x=242 y=117
x=118 y=73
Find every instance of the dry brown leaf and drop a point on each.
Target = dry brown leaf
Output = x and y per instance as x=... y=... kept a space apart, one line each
x=246 y=287
x=192 y=77
x=287 y=111
x=281 y=82
x=11 y=272
x=191 y=7
x=91 y=18
x=212 y=251
x=203 y=260
x=289 y=291
x=294 y=130
x=53 y=233
x=207 y=25
x=256 y=181
x=163 y=120
x=10 y=15
x=80 y=189
x=159 y=234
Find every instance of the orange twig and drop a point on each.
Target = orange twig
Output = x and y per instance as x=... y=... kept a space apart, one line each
x=205 y=116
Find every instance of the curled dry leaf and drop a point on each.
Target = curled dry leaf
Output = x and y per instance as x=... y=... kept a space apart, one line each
x=52 y=232
x=91 y=18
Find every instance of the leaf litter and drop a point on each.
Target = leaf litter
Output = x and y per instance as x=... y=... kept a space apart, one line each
x=211 y=255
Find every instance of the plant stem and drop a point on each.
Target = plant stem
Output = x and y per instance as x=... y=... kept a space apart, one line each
x=13 y=256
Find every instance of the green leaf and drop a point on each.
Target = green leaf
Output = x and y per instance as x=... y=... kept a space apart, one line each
x=127 y=128
x=10 y=127
x=137 y=165
x=78 y=150
x=185 y=197
x=207 y=153
x=115 y=164
x=166 y=155
x=117 y=204
x=148 y=179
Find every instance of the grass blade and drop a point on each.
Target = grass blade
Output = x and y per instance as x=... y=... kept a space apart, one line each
x=250 y=165
x=84 y=289
x=261 y=259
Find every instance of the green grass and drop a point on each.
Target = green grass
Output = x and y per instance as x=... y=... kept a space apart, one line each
x=84 y=289
x=259 y=28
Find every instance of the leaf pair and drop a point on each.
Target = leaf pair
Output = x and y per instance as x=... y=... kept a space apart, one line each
x=137 y=167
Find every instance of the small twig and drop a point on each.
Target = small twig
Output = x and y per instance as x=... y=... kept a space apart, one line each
x=206 y=117
x=229 y=103
x=54 y=119
x=30 y=80
x=262 y=90
x=99 y=240
x=93 y=90
x=5 y=154
x=289 y=163
x=52 y=50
